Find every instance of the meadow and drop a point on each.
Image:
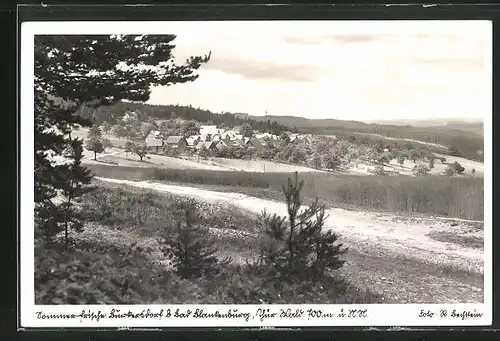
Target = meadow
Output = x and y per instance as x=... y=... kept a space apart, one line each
x=454 y=197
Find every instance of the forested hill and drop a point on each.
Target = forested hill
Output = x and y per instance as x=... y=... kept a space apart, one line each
x=159 y=112
x=468 y=140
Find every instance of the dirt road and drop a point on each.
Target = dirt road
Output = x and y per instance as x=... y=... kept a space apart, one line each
x=389 y=254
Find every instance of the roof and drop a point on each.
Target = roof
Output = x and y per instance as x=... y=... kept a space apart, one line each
x=156 y=134
x=173 y=139
x=224 y=142
x=238 y=143
x=191 y=142
x=206 y=144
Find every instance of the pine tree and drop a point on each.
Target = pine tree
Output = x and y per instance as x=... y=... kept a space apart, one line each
x=75 y=182
x=71 y=181
x=297 y=247
x=188 y=246
x=96 y=71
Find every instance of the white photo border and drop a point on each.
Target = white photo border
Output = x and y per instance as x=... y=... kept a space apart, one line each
x=380 y=315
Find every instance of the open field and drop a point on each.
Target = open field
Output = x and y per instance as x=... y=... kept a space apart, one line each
x=407 y=168
x=118 y=157
x=399 y=256
x=442 y=196
x=437 y=145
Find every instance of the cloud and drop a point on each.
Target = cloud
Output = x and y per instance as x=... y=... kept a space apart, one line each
x=303 y=40
x=357 y=38
x=330 y=73
x=264 y=70
x=336 y=39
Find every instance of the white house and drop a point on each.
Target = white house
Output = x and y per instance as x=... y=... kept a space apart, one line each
x=154 y=139
x=192 y=142
x=129 y=116
x=208 y=130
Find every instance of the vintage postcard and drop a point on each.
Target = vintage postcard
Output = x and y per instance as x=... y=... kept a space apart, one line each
x=255 y=174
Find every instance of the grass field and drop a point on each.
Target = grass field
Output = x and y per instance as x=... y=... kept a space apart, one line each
x=442 y=196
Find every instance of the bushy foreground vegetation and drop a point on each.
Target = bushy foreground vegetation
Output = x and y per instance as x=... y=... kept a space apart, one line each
x=194 y=270
x=443 y=196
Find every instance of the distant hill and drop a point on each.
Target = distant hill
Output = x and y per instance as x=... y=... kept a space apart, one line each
x=477 y=128
x=469 y=125
x=466 y=137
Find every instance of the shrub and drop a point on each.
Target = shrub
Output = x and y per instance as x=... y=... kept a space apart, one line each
x=379 y=170
x=297 y=247
x=421 y=169
x=449 y=170
x=188 y=245
x=458 y=168
x=169 y=151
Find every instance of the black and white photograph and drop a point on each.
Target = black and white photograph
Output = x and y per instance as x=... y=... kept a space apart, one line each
x=256 y=163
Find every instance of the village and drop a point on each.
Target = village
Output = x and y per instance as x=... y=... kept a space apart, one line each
x=212 y=138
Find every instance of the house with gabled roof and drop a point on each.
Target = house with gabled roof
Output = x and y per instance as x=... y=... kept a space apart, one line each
x=176 y=142
x=255 y=143
x=154 y=139
x=207 y=145
x=223 y=144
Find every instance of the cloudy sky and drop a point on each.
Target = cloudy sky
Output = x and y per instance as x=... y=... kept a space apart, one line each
x=343 y=70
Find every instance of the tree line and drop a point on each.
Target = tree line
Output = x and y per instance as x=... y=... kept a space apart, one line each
x=112 y=113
